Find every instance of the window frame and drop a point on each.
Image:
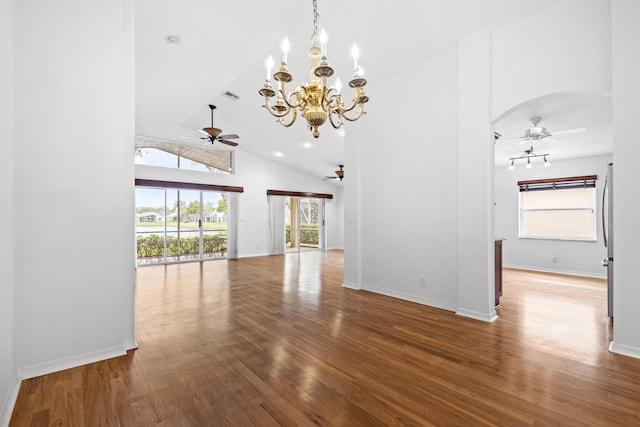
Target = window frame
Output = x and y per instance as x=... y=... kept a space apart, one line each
x=558 y=184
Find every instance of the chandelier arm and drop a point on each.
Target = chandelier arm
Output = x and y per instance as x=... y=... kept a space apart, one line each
x=333 y=112
x=288 y=99
x=353 y=106
x=274 y=112
x=293 y=118
x=361 y=112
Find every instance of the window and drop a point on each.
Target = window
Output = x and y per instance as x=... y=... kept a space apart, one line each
x=559 y=208
x=152 y=151
x=158 y=157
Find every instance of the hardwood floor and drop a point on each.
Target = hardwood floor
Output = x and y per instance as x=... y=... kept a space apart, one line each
x=277 y=341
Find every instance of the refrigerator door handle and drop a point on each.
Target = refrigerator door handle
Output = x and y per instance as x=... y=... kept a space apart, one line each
x=604 y=198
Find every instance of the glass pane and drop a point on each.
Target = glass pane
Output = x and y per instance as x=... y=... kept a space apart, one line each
x=150 y=225
x=155 y=157
x=189 y=225
x=558 y=199
x=309 y=220
x=210 y=160
x=172 y=225
x=215 y=218
x=561 y=224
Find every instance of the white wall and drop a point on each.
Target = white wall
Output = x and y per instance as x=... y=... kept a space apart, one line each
x=476 y=278
x=406 y=221
x=573 y=257
x=565 y=47
x=626 y=152
x=257 y=175
x=73 y=183
x=7 y=365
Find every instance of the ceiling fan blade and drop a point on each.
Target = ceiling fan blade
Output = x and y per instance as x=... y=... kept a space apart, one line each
x=552 y=139
x=203 y=133
x=231 y=143
x=193 y=137
x=568 y=131
x=230 y=136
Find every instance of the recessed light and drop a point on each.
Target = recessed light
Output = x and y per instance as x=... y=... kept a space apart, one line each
x=341 y=132
x=278 y=154
x=307 y=145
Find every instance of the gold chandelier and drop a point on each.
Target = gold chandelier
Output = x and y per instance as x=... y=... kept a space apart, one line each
x=316 y=101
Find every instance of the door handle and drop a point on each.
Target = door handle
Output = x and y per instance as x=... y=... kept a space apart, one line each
x=199 y=223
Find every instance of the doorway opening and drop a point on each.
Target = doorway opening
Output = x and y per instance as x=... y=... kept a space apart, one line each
x=304 y=224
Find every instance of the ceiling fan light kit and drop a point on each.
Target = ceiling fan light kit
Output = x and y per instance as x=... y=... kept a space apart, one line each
x=339 y=174
x=315 y=101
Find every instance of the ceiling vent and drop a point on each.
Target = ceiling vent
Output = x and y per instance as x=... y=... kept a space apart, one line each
x=230 y=95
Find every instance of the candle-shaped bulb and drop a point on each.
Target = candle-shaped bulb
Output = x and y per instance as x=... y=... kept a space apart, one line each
x=338 y=86
x=285 y=49
x=269 y=67
x=323 y=42
x=355 y=53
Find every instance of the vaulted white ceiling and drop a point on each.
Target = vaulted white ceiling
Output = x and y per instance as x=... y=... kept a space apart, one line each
x=223 y=46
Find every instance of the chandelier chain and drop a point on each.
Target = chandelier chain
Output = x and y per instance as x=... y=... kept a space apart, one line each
x=316 y=18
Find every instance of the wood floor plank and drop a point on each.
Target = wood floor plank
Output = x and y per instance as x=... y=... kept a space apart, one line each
x=277 y=341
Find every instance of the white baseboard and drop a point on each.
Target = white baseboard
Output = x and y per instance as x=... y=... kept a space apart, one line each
x=476 y=315
x=409 y=297
x=10 y=402
x=69 y=362
x=130 y=345
x=252 y=255
x=353 y=286
x=625 y=350
x=557 y=271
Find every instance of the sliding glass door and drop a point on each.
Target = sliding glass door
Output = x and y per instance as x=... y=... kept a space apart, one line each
x=178 y=225
x=304 y=221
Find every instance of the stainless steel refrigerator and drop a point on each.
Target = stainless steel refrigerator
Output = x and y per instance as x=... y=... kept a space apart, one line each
x=607 y=234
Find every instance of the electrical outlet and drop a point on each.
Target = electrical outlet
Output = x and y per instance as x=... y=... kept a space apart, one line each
x=421 y=282
x=554 y=260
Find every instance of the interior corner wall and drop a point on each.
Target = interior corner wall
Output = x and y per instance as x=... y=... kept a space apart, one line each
x=572 y=257
x=8 y=377
x=564 y=47
x=352 y=200
x=626 y=152
x=408 y=181
x=257 y=175
x=73 y=207
x=475 y=188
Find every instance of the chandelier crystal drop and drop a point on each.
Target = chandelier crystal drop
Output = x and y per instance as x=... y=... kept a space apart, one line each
x=315 y=101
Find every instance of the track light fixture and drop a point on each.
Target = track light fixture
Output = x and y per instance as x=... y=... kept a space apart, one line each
x=528 y=155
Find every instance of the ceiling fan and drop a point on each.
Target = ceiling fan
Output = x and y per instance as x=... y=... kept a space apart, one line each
x=339 y=174
x=537 y=133
x=212 y=134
